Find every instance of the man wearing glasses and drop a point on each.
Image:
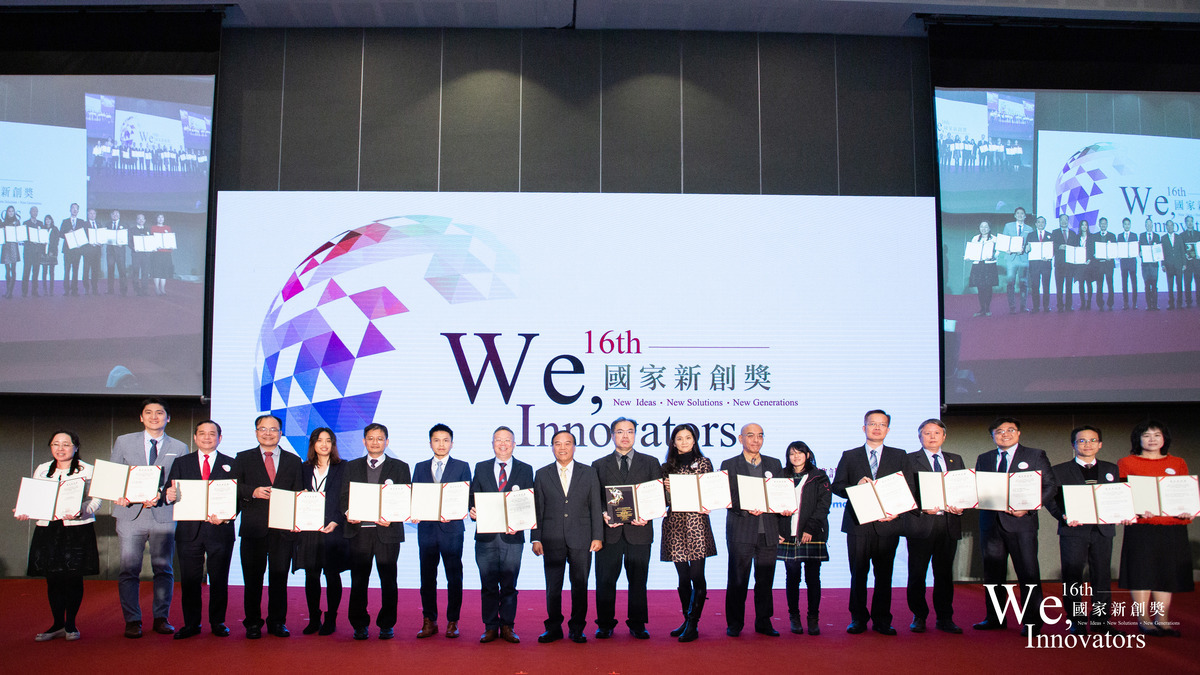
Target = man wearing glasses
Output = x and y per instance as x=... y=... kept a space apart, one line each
x=1091 y=544
x=257 y=470
x=1013 y=533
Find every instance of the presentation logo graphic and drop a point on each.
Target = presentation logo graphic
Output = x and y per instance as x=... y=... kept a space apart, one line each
x=1083 y=179
x=334 y=321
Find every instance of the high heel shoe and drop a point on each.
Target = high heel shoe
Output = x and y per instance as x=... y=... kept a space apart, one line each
x=330 y=624
x=314 y=623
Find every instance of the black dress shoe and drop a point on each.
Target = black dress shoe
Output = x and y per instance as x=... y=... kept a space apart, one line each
x=577 y=637
x=603 y=633
x=279 y=631
x=884 y=630
x=220 y=630
x=766 y=629
x=133 y=629
x=254 y=633
x=949 y=627
x=314 y=624
x=489 y=635
x=733 y=632
x=917 y=625
x=162 y=626
x=856 y=627
x=988 y=624
x=550 y=636
x=328 y=626
x=387 y=633
x=187 y=632
x=639 y=632
x=361 y=634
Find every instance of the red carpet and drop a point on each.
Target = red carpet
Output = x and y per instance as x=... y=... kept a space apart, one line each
x=103 y=650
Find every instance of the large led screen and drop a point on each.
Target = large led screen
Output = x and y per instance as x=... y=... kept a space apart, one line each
x=1068 y=245
x=104 y=184
x=549 y=311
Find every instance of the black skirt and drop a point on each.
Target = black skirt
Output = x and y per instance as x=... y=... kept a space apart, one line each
x=1156 y=558
x=324 y=551
x=57 y=550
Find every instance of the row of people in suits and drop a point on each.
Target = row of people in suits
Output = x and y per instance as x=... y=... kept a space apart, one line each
x=932 y=535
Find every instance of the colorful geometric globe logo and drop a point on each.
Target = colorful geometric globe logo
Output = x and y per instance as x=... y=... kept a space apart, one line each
x=1083 y=178
x=336 y=316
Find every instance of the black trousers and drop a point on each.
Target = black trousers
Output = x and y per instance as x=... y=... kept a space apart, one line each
x=812 y=583
x=1094 y=550
x=192 y=555
x=115 y=262
x=1063 y=285
x=636 y=559
x=742 y=557
x=1150 y=279
x=555 y=561
x=1129 y=280
x=998 y=545
x=365 y=547
x=1104 y=275
x=274 y=549
x=448 y=549
x=870 y=550
x=939 y=550
x=1039 y=283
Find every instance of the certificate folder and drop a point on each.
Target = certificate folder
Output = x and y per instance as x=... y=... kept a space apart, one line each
x=769 y=495
x=288 y=510
x=952 y=488
x=1106 y=504
x=1022 y=491
x=499 y=512
x=371 y=502
x=435 y=501
x=49 y=499
x=113 y=481
x=199 y=499
x=692 y=492
x=883 y=498
x=644 y=501
x=1166 y=495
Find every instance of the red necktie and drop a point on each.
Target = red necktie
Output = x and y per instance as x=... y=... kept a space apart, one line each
x=205 y=470
x=503 y=477
x=270 y=464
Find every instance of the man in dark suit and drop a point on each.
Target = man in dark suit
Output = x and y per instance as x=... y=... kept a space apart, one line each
x=870 y=545
x=1128 y=266
x=1150 y=269
x=139 y=266
x=1012 y=533
x=442 y=540
x=1063 y=279
x=149 y=524
x=570 y=524
x=628 y=542
x=1174 y=259
x=32 y=253
x=1102 y=268
x=114 y=255
x=1191 y=263
x=752 y=538
x=932 y=534
x=257 y=470
x=199 y=541
x=91 y=258
x=1080 y=544
x=378 y=541
x=72 y=256
x=1039 y=270
x=499 y=555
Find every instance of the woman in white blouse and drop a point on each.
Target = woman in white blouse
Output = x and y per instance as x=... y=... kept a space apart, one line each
x=64 y=550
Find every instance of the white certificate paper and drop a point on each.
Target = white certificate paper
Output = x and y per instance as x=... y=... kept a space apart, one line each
x=992 y=490
x=36 y=498
x=1114 y=503
x=1179 y=495
x=1041 y=250
x=143 y=483
x=781 y=495
x=395 y=502
x=144 y=243
x=715 y=492
x=1145 y=494
x=1010 y=244
x=364 y=502
x=108 y=480
x=894 y=494
x=960 y=489
x=456 y=500
x=1152 y=252
x=1025 y=490
x=1079 y=504
x=752 y=493
x=191 y=500
x=866 y=504
x=1076 y=255
x=933 y=493
x=685 y=492
x=70 y=497
x=309 y=511
x=281 y=511
x=496 y=512
x=426 y=501
x=650 y=500
x=520 y=507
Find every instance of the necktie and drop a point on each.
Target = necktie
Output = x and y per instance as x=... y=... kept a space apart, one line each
x=503 y=476
x=937 y=465
x=625 y=465
x=206 y=469
x=874 y=464
x=374 y=462
x=153 y=450
x=1003 y=468
x=562 y=478
x=437 y=475
x=270 y=464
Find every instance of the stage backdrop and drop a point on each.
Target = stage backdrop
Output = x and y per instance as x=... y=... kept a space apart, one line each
x=550 y=311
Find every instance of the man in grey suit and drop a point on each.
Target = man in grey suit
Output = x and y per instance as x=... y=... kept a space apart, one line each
x=629 y=541
x=150 y=522
x=752 y=538
x=570 y=524
x=499 y=555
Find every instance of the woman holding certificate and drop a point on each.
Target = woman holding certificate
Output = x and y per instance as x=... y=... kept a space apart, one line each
x=64 y=550
x=804 y=534
x=983 y=270
x=1155 y=556
x=10 y=254
x=161 y=267
x=326 y=550
x=687 y=538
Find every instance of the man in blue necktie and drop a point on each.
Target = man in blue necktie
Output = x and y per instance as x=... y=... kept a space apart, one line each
x=441 y=540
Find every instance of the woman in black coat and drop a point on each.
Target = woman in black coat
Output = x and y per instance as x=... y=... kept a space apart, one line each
x=804 y=534
x=326 y=550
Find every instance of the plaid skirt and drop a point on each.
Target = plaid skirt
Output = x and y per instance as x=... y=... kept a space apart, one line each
x=813 y=550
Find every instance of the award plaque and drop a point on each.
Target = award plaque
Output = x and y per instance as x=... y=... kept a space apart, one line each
x=619 y=503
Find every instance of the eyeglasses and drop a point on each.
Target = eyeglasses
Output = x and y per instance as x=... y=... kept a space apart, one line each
x=1087 y=441
x=267 y=430
x=1008 y=430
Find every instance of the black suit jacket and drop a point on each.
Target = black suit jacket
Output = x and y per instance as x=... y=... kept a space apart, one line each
x=742 y=526
x=1149 y=239
x=1062 y=237
x=188 y=468
x=1033 y=460
x=1100 y=263
x=455 y=471
x=1070 y=473
x=642 y=468
x=251 y=473
x=919 y=524
x=853 y=467
x=520 y=475
x=391 y=469
x=572 y=520
x=1173 y=252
